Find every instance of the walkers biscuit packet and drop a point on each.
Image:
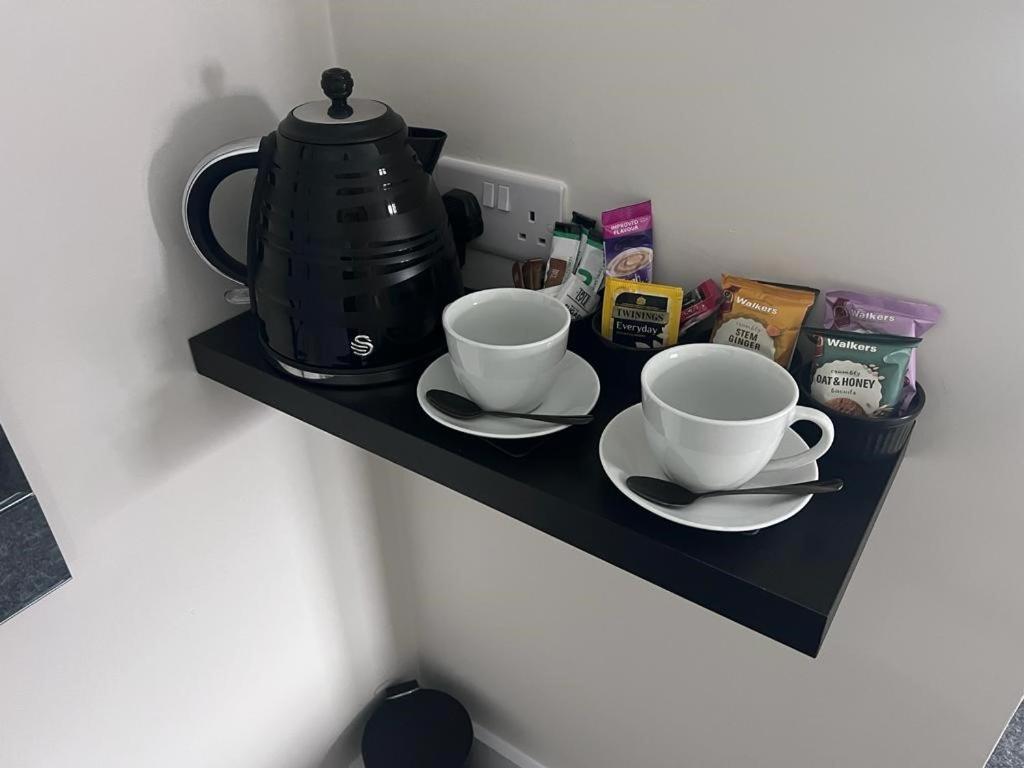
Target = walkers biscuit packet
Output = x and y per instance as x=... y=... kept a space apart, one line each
x=764 y=317
x=859 y=374
x=871 y=313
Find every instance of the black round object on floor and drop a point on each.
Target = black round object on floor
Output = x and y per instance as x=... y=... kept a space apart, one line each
x=417 y=728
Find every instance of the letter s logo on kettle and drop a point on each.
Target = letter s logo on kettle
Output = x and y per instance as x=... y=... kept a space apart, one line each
x=362 y=345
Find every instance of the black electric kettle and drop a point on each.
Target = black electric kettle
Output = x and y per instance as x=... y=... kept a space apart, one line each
x=351 y=255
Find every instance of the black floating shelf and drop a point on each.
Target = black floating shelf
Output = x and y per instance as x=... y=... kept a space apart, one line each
x=785 y=582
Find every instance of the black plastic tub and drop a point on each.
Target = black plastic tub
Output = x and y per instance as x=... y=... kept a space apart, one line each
x=862 y=437
x=626 y=362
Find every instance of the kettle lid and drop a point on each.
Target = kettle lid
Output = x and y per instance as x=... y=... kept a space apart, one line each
x=340 y=119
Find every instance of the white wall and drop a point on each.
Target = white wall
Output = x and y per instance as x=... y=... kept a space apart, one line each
x=871 y=144
x=228 y=606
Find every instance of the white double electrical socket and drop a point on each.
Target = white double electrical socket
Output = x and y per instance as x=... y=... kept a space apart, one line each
x=519 y=209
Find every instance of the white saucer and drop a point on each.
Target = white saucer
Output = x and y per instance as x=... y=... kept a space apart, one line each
x=574 y=392
x=624 y=452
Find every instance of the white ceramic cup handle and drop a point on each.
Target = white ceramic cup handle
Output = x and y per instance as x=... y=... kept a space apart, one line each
x=816 y=451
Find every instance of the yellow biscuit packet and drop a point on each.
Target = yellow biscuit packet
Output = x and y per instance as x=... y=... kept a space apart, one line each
x=641 y=315
x=764 y=317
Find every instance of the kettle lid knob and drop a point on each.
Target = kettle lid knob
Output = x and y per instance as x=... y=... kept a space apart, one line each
x=337 y=86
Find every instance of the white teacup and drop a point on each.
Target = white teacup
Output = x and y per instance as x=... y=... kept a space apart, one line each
x=505 y=345
x=714 y=415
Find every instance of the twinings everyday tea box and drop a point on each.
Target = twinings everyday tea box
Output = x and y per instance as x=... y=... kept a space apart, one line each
x=641 y=315
x=763 y=317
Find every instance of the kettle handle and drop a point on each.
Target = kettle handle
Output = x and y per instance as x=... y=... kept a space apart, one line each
x=195 y=203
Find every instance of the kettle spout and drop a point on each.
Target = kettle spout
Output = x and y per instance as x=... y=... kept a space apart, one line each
x=427 y=143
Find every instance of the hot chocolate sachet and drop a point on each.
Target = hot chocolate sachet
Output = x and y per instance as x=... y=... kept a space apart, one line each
x=629 y=242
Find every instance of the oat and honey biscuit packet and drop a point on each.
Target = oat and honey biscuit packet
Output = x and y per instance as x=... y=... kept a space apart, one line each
x=764 y=317
x=641 y=315
x=859 y=374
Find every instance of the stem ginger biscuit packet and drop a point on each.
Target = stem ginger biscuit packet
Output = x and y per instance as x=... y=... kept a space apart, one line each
x=859 y=374
x=641 y=315
x=764 y=317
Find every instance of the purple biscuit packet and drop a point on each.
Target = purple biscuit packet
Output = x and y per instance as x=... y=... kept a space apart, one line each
x=864 y=313
x=629 y=242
